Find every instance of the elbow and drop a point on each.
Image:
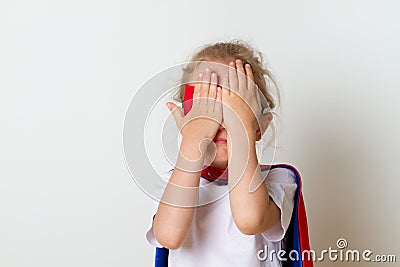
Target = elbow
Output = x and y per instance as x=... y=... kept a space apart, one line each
x=169 y=243
x=248 y=229
x=249 y=225
x=168 y=239
x=252 y=223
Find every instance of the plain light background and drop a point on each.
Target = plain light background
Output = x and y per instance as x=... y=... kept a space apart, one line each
x=68 y=70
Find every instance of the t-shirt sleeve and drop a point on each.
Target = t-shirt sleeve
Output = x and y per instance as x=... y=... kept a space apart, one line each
x=161 y=184
x=281 y=185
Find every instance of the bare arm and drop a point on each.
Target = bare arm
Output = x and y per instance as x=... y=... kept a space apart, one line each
x=253 y=212
x=175 y=211
x=252 y=208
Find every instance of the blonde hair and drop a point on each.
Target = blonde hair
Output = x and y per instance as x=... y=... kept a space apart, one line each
x=229 y=51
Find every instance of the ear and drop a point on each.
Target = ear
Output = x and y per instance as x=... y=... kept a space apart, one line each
x=264 y=120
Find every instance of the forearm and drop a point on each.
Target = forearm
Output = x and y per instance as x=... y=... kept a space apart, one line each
x=252 y=208
x=175 y=211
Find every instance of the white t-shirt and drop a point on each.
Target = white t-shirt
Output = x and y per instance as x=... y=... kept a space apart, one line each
x=214 y=239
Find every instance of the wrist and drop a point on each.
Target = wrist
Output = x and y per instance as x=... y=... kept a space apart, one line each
x=252 y=133
x=191 y=155
x=242 y=143
x=193 y=148
x=247 y=135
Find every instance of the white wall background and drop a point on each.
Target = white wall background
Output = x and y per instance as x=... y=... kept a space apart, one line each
x=68 y=70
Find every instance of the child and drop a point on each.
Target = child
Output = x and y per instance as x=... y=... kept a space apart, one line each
x=242 y=213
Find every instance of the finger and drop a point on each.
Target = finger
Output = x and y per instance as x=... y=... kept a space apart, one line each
x=197 y=87
x=176 y=111
x=250 y=77
x=233 y=79
x=205 y=85
x=218 y=102
x=212 y=94
x=225 y=85
x=242 y=81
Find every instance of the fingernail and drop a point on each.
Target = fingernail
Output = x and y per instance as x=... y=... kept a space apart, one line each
x=200 y=75
x=167 y=105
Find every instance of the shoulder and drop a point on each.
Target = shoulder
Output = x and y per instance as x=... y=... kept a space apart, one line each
x=282 y=181
x=280 y=173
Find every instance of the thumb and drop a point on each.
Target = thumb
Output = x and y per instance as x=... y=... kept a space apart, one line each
x=176 y=111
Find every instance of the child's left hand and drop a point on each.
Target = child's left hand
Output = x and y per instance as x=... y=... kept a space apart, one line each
x=241 y=100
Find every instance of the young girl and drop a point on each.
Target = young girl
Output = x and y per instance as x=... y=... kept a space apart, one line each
x=246 y=214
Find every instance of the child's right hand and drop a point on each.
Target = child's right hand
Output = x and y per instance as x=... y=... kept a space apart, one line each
x=203 y=120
